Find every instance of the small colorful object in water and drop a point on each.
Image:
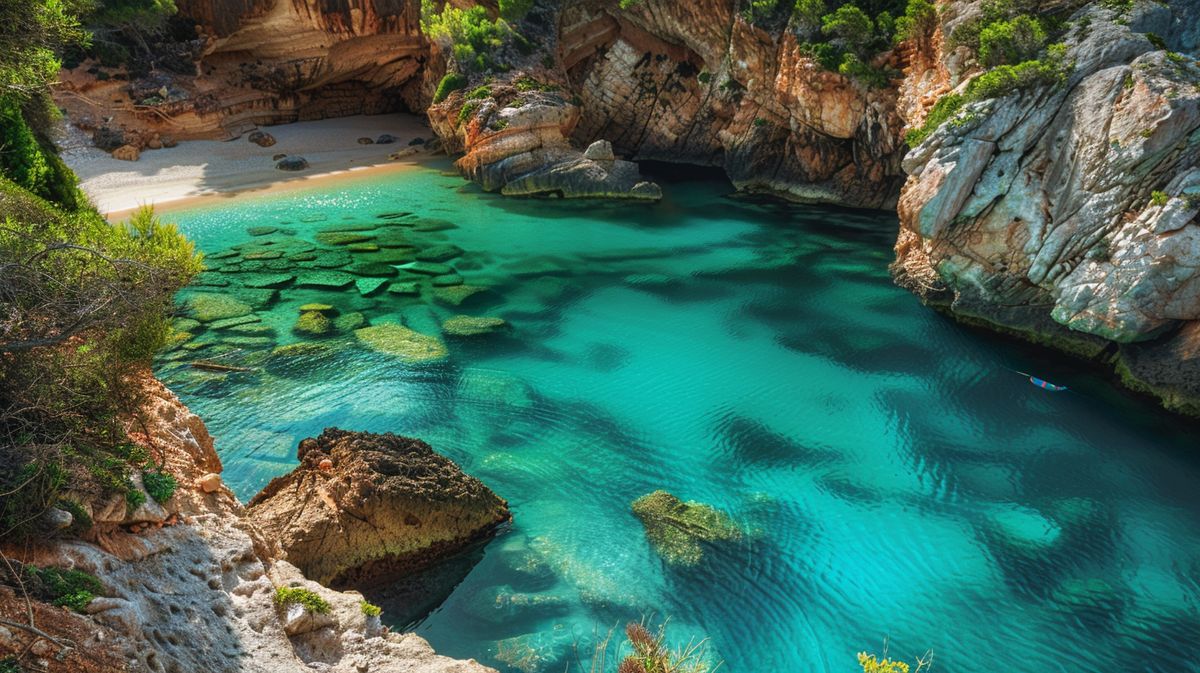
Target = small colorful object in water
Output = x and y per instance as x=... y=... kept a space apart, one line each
x=1046 y=385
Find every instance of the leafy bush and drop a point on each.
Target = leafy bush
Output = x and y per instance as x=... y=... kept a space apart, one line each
x=946 y=107
x=919 y=19
x=450 y=83
x=1013 y=41
x=865 y=73
x=850 y=28
x=807 y=15
x=514 y=10
x=370 y=610
x=10 y=664
x=160 y=485
x=303 y=597
x=1006 y=79
x=757 y=10
x=1159 y=198
x=473 y=36
x=73 y=377
x=479 y=93
x=72 y=589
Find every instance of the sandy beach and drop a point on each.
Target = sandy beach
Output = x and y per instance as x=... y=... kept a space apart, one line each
x=199 y=169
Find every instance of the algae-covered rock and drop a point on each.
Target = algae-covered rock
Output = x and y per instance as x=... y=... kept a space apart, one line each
x=335 y=280
x=677 y=528
x=302 y=257
x=210 y=279
x=447 y=280
x=363 y=247
x=313 y=323
x=223 y=254
x=209 y=306
x=344 y=227
x=268 y=280
x=331 y=259
x=505 y=605
x=439 y=253
x=253 y=329
x=234 y=322
x=391 y=238
x=349 y=322
x=263 y=254
x=248 y=341
x=261 y=231
x=342 y=237
x=376 y=269
x=428 y=268
x=456 y=295
x=257 y=298
x=369 y=286
x=405 y=288
x=465 y=325
x=406 y=344
x=392 y=256
x=363 y=506
x=431 y=224
x=316 y=306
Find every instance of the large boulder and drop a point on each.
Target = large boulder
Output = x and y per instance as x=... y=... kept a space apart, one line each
x=678 y=530
x=362 y=507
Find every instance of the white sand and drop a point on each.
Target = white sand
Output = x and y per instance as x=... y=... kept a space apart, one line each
x=199 y=168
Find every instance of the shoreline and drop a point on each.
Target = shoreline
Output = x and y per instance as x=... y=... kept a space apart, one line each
x=196 y=171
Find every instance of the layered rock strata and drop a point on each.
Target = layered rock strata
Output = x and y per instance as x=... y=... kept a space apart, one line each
x=517 y=143
x=363 y=506
x=190 y=585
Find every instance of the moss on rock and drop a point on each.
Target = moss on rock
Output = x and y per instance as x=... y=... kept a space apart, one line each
x=465 y=325
x=406 y=344
x=677 y=528
x=210 y=306
x=313 y=323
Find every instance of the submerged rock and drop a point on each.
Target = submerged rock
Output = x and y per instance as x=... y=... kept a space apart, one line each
x=456 y=295
x=209 y=307
x=292 y=164
x=466 y=325
x=387 y=505
x=677 y=528
x=314 y=323
x=409 y=346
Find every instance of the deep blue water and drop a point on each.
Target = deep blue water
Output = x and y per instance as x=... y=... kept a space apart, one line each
x=894 y=480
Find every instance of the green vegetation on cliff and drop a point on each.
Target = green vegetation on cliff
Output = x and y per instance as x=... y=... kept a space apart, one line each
x=85 y=302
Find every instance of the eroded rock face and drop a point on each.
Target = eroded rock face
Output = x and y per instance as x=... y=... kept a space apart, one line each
x=198 y=592
x=517 y=143
x=1070 y=212
x=265 y=62
x=692 y=82
x=385 y=504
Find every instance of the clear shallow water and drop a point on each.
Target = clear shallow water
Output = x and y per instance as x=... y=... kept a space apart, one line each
x=895 y=480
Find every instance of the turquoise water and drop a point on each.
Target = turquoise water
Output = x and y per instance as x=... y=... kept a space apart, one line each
x=893 y=480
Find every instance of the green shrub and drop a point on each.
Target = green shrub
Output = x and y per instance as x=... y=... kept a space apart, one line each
x=704 y=77
x=1013 y=41
x=160 y=485
x=1159 y=198
x=474 y=37
x=850 y=28
x=303 y=597
x=515 y=10
x=757 y=10
x=807 y=15
x=946 y=107
x=865 y=73
x=72 y=589
x=526 y=83
x=370 y=610
x=10 y=664
x=479 y=93
x=1005 y=79
x=467 y=111
x=134 y=499
x=450 y=83
x=919 y=19
x=81 y=520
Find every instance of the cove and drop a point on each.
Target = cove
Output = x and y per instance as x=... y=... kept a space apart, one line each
x=892 y=478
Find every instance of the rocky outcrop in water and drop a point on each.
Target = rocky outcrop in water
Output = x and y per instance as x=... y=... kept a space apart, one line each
x=196 y=586
x=679 y=530
x=363 y=506
x=516 y=142
x=1069 y=213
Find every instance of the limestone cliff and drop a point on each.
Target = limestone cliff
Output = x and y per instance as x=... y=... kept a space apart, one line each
x=190 y=585
x=1069 y=212
x=362 y=506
